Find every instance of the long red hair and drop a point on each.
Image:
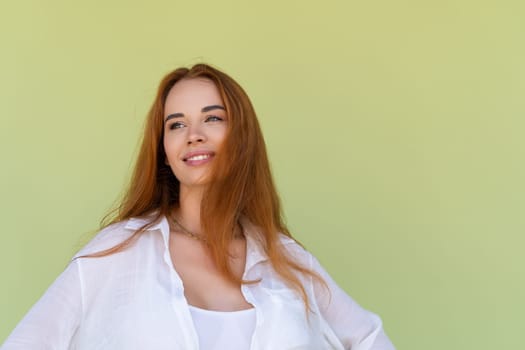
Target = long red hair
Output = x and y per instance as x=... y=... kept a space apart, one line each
x=241 y=182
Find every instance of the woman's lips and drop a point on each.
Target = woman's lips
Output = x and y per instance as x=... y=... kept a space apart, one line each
x=198 y=158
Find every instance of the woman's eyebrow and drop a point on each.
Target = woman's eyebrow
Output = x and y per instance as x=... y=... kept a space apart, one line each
x=174 y=115
x=212 y=107
x=203 y=110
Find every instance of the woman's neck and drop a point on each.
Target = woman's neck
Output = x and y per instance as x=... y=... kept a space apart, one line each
x=189 y=210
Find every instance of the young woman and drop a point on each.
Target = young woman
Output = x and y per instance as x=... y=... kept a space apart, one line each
x=197 y=255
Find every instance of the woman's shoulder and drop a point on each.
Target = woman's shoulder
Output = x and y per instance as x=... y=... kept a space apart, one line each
x=297 y=251
x=290 y=245
x=118 y=232
x=107 y=238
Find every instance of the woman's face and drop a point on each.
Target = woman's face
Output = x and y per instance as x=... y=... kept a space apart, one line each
x=195 y=126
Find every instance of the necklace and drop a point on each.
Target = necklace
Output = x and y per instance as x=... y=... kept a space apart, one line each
x=196 y=236
x=187 y=232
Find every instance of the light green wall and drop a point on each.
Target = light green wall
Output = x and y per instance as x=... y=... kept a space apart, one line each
x=395 y=130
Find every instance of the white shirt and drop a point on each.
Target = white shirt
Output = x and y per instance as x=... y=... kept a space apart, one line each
x=134 y=299
x=219 y=330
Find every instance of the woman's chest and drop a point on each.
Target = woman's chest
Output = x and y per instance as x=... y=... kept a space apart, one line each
x=140 y=303
x=152 y=317
x=205 y=285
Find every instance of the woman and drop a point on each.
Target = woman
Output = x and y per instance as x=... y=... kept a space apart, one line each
x=197 y=256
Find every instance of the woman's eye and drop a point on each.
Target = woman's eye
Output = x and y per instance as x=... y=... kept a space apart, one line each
x=176 y=125
x=213 y=118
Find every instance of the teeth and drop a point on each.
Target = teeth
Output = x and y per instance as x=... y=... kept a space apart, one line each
x=200 y=157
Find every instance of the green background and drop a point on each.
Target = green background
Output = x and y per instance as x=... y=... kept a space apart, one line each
x=395 y=131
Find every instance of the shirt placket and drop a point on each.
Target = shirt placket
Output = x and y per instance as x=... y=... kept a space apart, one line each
x=179 y=303
x=252 y=259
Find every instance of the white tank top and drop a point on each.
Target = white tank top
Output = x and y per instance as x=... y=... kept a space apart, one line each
x=219 y=330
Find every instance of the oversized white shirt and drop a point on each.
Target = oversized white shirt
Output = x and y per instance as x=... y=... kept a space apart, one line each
x=134 y=299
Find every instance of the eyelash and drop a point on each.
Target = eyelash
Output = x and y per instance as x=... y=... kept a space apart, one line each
x=175 y=125
x=178 y=125
x=214 y=116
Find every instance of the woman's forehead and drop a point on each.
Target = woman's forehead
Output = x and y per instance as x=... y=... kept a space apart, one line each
x=193 y=93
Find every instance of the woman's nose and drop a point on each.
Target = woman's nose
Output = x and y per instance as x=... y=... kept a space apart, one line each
x=196 y=135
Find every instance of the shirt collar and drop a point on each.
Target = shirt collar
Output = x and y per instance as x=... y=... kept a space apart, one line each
x=255 y=252
x=161 y=225
x=254 y=249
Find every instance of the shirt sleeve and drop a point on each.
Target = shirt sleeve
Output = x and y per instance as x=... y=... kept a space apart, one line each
x=356 y=328
x=52 y=321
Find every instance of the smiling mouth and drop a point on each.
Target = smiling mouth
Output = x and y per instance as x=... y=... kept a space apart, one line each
x=198 y=157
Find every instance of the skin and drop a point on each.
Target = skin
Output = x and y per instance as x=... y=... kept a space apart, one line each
x=195 y=127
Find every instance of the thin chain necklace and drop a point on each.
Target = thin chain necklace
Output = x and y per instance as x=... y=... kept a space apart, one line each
x=196 y=236
x=187 y=232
